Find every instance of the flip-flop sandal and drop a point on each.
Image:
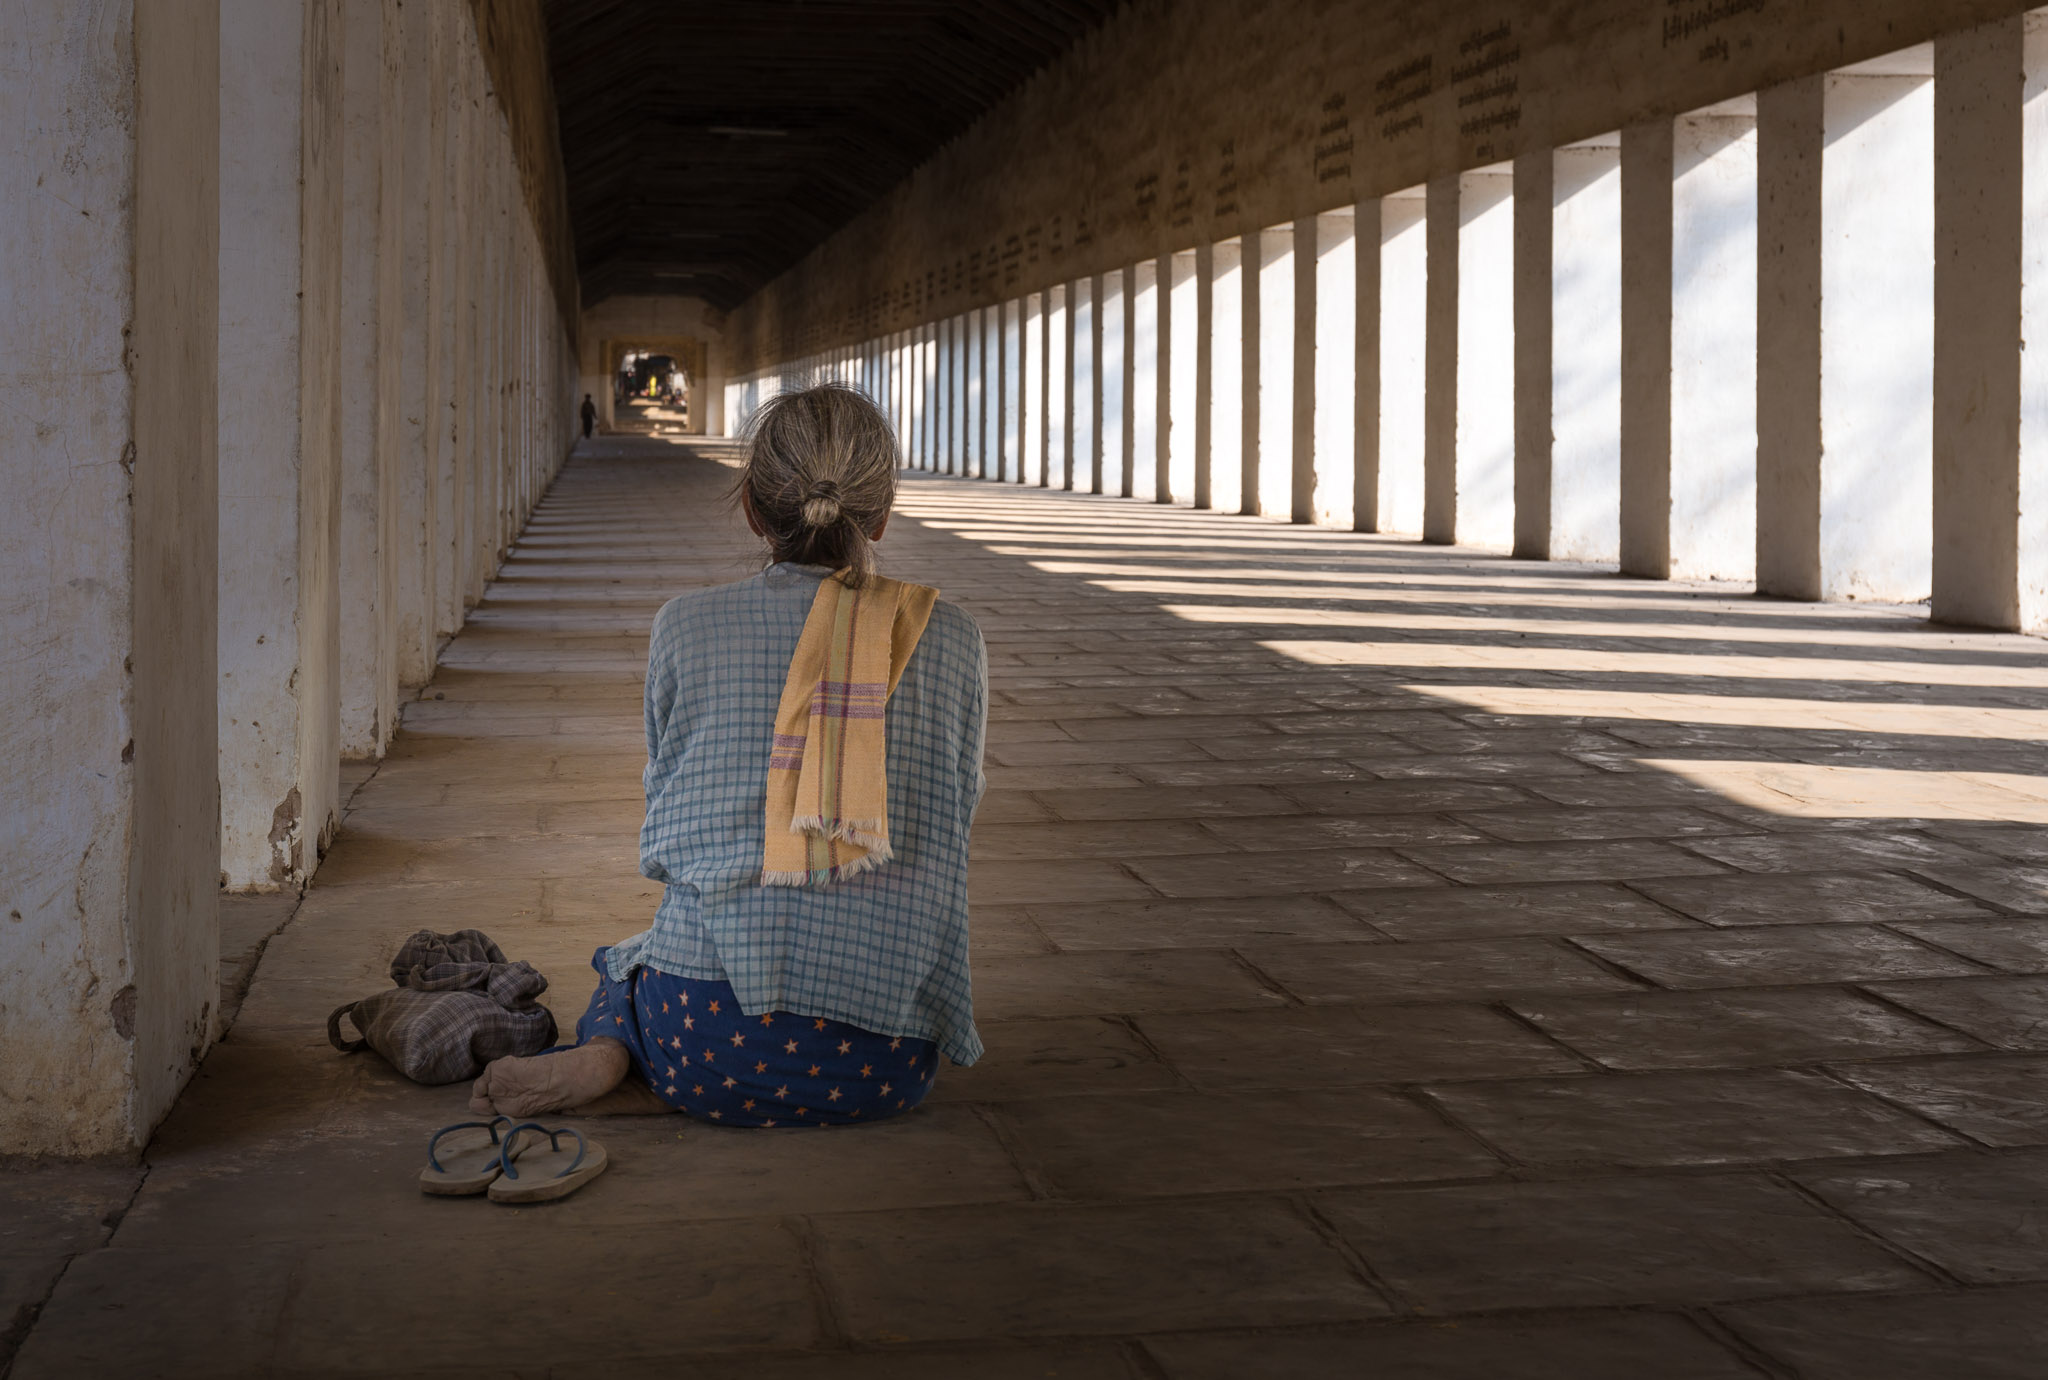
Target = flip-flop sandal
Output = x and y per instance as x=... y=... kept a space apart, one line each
x=469 y=1162
x=543 y=1175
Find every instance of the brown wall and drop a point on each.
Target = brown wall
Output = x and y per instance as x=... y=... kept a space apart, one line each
x=513 y=37
x=1191 y=121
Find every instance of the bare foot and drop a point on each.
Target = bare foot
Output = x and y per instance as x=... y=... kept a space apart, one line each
x=550 y=1082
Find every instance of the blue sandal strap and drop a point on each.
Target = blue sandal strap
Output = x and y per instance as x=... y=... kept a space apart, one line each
x=510 y=1171
x=491 y=1126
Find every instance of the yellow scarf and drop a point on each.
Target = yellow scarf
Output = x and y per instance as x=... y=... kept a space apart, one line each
x=828 y=797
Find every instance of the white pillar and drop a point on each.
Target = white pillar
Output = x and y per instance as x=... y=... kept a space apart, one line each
x=1714 y=344
x=1301 y=449
x=279 y=608
x=1335 y=459
x=1227 y=390
x=1141 y=469
x=109 y=929
x=414 y=374
x=1846 y=288
x=1186 y=399
x=1991 y=295
x=1581 y=390
x=369 y=681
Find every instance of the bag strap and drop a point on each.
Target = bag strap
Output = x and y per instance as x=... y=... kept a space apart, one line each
x=334 y=1030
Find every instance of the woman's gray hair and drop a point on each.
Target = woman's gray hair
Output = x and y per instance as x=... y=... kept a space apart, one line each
x=821 y=474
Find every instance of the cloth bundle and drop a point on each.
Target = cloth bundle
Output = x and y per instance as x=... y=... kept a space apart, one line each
x=828 y=795
x=456 y=1004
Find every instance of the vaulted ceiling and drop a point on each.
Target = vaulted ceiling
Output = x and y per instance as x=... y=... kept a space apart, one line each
x=710 y=144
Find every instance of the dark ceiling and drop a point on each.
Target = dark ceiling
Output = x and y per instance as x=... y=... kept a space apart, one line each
x=710 y=144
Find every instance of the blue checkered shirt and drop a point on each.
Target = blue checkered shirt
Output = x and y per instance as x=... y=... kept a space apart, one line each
x=887 y=950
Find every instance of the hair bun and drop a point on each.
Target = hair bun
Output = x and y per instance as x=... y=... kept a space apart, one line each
x=821 y=504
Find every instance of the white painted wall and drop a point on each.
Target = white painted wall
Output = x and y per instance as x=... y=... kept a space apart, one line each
x=1141 y=479
x=1226 y=378
x=1336 y=365
x=1275 y=345
x=1183 y=398
x=1713 y=347
x=1485 y=512
x=1404 y=317
x=1084 y=385
x=1877 y=337
x=1585 y=345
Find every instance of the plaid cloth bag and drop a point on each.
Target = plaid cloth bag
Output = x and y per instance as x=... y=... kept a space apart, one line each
x=456 y=1005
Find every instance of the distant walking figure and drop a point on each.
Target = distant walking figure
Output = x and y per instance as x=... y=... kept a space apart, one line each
x=589 y=416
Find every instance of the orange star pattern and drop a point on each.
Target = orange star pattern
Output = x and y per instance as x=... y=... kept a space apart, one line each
x=846 y=1046
x=767 y=1018
x=739 y=1039
x=789 y=1047
x=819 y=1024
x=714 y=1008
x=896 y=1043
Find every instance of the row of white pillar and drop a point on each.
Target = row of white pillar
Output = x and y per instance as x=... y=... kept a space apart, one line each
x=1780 y=339
x=394 y=377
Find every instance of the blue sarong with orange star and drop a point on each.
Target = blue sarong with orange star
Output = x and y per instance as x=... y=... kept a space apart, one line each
x=705 y=1057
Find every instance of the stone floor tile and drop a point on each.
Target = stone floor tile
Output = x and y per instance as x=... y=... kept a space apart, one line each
x=1341 y=831
x=1610 y=790
x=1092 y=839
x=1028 y=883
x=1444 y=970
x=1980 y=1217
x=1537 y=825
x=1779 y=954
x=1734 y=1029
x=1104 y=983
x=1829 y=899
x=361 y=1298
x=1187 y=1142
x=1999 y=1099
x=1973 y=1334
x=1611 y=1345
x=1402 y=797
x=1187 y=803
x=2015 y=946
x=1181 y=923
x=1101 y=775
x=1105 y=1361
x=1519 y=766
x=2008 y=1012
x=1343 y=1046
x=2023 y=890
x=1016 y=807
x=1481 y=912
x=1672 y=1120
x=1184 y=726
x=1118 y=750
x=1261 y=874
x=1093 y=1271
x=1836 y=851
x=1582 y=1242
x=1071 y=1057
x=1261 y=772
x=200 y=1312
x=2026 y=843
x=1560 y=861
x=1357 y=747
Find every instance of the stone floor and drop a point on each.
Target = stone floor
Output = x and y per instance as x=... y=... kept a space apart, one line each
x=1393 y=962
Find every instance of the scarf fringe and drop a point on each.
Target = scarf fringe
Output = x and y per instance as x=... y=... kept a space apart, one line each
x=867 y=862
x=871 y=834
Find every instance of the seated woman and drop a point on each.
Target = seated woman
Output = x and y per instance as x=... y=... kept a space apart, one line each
x=814 y=739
